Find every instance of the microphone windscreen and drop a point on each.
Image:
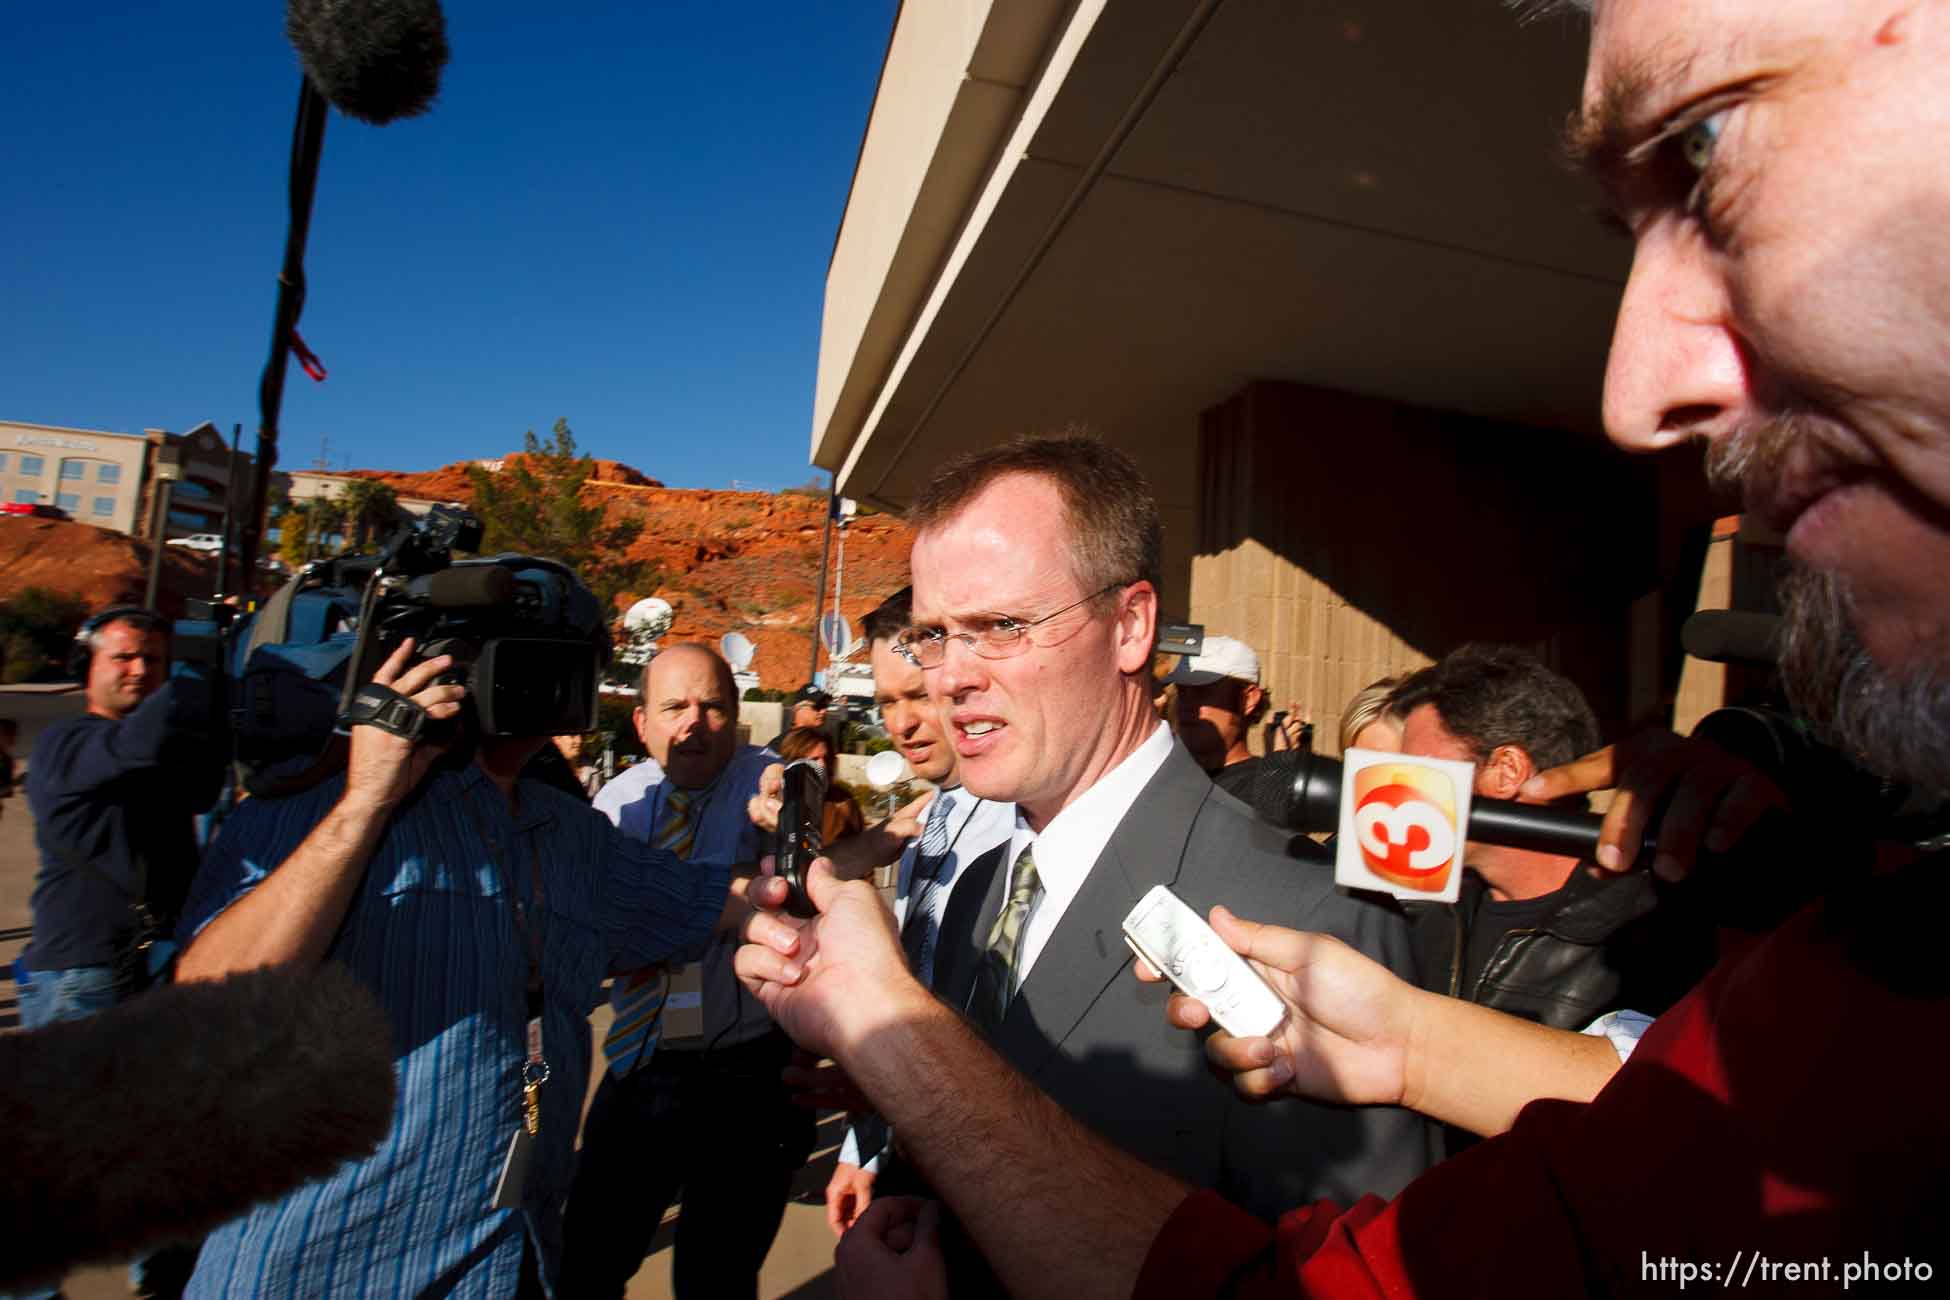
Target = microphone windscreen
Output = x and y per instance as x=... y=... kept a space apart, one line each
x=376 y=60
x=1732 y=636
x=158 y=1120
x=1273 y=792
x=470 y=586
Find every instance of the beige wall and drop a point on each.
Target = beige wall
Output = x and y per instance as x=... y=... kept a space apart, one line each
x=1703 y=685
x=88 y=450
x=1347 y=538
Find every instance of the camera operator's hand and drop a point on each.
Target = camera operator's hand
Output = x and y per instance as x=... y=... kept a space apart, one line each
x=893 y=1252
x=1346 y=1033
x=848 y=977
x=383 y=768
x=1290 y=730
x=1710 y=797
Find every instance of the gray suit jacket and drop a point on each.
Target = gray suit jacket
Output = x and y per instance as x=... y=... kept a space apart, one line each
x=1090 y=1035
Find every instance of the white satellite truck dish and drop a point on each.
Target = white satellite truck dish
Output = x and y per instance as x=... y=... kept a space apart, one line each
x=651 y=616
x=644 y=622
x=738 y=650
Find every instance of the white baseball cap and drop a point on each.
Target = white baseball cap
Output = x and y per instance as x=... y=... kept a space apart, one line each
x=1221 y=656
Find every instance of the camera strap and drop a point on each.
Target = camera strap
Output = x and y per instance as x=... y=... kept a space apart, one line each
x=383 y=707
x=526 y=914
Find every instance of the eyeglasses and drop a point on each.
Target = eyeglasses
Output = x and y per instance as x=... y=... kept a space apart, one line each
x=1000 y=638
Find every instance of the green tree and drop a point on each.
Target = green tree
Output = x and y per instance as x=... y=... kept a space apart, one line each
x=36 y=628
x=534 y=505
x=371 y=509
x=294 y=534
x=327 y=519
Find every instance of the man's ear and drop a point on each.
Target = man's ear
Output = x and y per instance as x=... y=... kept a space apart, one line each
x=1250 y=699
x=1503 y=773
x=1137 y=627
x=637 y=720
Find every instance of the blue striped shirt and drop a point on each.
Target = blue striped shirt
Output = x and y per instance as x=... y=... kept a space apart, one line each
x=431 y=932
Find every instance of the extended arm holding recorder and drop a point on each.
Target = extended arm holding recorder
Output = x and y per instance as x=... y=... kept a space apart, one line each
x=1025 y=1179
x=1356 y=1033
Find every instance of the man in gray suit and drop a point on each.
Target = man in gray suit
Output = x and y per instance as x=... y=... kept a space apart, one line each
x=1035 y=607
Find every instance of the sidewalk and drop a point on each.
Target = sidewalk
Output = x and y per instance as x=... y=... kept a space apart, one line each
x=799 y=1267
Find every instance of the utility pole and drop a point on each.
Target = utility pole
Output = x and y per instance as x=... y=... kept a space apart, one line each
x=825 y=557
x=169 y=464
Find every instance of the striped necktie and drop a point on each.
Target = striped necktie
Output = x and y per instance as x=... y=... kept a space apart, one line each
x=996 y=979
x=920 y=930
x=637 y=997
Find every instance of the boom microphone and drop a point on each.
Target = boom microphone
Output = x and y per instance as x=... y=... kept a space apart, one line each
x=376 y=60
x=157 y=1120
x=1301 y=791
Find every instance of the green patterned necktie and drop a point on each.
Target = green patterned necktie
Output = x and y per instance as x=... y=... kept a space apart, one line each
x=995 y=981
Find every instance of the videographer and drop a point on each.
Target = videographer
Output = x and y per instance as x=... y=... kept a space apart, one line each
x=484 y=910
x=114 y=793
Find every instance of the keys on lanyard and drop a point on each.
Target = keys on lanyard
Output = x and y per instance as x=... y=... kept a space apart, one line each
x=534 y=1070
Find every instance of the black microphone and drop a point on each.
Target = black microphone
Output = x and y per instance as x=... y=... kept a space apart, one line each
x=1725 y=636
x=160 y=1119
x=376 y=60
x=1301 y=791
x=468 y=586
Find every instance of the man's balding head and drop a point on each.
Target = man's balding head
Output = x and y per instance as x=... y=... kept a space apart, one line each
x=688 y=714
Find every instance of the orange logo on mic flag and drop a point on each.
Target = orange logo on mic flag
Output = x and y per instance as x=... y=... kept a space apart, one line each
x=1405 y=822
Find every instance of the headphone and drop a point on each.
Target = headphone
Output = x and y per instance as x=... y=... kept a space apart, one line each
x=82 y=653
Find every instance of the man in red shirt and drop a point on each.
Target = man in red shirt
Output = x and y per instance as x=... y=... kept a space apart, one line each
x=1780 y=166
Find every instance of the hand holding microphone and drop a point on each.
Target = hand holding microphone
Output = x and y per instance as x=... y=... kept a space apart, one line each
x=1423 y=820
x=1702 y=797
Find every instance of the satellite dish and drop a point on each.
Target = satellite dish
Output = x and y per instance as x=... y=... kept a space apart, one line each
x=885 y=769
x=738 y=650
x=643 y=623
x=836 y=634
x=650 y=617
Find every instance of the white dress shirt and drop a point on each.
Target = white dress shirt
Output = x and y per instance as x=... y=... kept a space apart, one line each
x=625 y=788
x=1070 y=845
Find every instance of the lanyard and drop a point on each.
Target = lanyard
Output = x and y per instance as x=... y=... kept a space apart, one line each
x=527 y=916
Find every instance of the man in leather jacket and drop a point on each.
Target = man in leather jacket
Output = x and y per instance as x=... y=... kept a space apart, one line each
x=1538 y=935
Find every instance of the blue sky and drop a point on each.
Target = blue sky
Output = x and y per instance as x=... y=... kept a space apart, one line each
x=616 y=213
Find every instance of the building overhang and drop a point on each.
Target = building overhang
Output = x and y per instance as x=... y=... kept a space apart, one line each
x=1116 y=215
